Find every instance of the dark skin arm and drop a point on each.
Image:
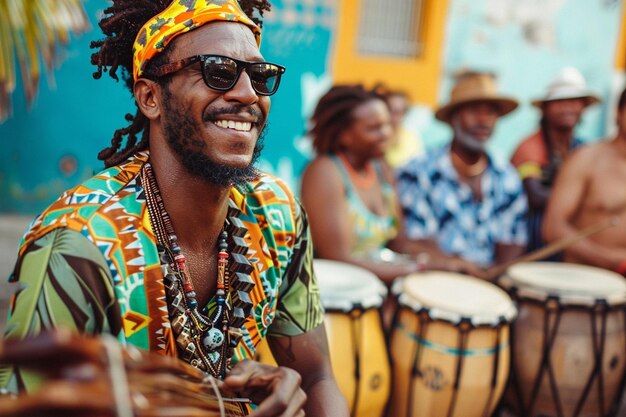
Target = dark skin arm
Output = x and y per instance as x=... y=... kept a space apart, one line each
x=303 y=358
x=276 y=390
x=308 y=355
x=436 y=259
x=505 y=253
x=537 y=193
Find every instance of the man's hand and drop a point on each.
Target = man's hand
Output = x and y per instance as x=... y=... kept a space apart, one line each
x=275 y=389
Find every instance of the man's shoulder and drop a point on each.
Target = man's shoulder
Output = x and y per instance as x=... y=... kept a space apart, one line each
x=535 y=137
x=99 y=191
x=590 y=153
x=531 y=147
x=101 y=196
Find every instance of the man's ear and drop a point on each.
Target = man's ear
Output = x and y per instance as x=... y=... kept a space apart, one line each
x=147 y=95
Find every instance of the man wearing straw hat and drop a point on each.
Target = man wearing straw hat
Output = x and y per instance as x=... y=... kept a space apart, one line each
x=461 y=202
x=590 y=190
x=539 y=156
x=180 y=246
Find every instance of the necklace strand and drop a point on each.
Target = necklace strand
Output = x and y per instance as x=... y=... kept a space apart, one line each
x=208 y=340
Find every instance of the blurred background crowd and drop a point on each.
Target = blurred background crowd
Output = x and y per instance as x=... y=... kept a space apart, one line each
x=413 y=46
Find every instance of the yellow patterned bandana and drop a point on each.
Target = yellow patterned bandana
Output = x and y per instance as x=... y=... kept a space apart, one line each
x=179 y=17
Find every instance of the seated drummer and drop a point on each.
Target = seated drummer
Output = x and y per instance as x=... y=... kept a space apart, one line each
x=587 y=192
x=349 y=190
x=539 y=156
x=458 y=199
x=180 y=246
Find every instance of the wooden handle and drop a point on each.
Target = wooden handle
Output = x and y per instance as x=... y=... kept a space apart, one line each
x=554 y=247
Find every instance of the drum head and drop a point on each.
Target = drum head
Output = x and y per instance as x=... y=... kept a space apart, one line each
x=453 y=297
x=345 y=286
x=572 y=283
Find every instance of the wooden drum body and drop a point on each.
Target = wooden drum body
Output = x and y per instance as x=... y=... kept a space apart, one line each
x=569 y=342
x=449 y=346
x=353 y=297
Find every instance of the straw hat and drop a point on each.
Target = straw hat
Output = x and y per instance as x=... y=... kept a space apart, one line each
x=471 y=87
x=569 y=83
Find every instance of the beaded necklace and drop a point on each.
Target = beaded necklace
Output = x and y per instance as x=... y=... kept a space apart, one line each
x=205 y=339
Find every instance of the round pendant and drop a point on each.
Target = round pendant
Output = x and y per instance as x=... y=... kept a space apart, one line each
x=213 y=339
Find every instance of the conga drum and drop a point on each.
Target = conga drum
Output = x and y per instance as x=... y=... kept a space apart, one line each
x=95 y=376
x=568 y=343
x=450 y=348
x=352 y=297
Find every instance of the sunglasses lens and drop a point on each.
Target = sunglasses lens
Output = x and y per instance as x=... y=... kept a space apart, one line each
x=265 y=77
x=220 y=73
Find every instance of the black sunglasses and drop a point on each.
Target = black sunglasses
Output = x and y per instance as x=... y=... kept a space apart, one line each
x=222 y=73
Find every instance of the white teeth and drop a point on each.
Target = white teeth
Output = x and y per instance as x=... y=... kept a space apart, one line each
x=232 y=124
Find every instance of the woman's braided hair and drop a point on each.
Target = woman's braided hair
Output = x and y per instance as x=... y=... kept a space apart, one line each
x=122 y=21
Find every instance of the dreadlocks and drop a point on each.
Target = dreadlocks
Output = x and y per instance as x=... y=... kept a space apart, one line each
x=333 y=114
x=121 y=23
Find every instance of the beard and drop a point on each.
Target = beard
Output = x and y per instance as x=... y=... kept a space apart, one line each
x=467 y=139
x=183 y=138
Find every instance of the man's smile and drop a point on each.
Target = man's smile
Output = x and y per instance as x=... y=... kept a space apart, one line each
x=234 y=124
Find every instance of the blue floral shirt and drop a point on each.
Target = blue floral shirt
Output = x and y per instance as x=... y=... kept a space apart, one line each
x=436 y=205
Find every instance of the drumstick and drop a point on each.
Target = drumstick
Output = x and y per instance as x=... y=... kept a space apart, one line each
x=554 y=247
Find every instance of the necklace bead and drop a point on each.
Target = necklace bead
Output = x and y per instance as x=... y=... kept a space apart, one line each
x=203 y=341
x=213 y=339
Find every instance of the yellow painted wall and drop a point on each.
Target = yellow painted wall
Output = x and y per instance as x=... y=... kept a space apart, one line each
x=419 y=76
x=620 y=52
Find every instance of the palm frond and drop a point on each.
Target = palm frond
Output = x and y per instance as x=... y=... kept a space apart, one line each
x=32 y=35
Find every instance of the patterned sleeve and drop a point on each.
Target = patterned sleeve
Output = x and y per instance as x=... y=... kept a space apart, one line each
x=62 y=281
x=415 y=200
x=299 y=307
x=511 y=227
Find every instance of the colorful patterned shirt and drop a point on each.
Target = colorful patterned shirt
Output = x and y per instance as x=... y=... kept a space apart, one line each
x=436 y=205
x=90 y=262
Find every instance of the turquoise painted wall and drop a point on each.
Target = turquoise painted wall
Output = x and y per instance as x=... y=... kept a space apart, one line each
x=74 y=119
x=70 y=123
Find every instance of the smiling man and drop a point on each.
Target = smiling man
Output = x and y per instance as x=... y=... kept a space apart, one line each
x=180 y=245
x=458 y=200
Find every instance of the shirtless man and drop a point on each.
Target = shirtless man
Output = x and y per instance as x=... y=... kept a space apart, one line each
x=587 y=192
